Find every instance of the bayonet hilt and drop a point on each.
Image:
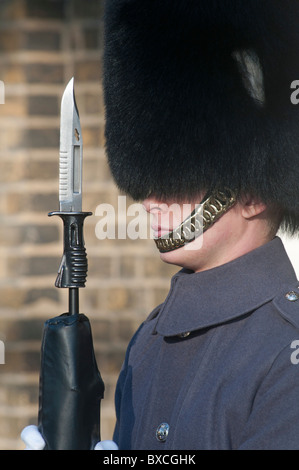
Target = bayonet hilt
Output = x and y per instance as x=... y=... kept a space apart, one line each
x=73 y=267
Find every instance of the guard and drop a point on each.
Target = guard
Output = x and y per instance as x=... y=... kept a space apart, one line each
x=198 y=110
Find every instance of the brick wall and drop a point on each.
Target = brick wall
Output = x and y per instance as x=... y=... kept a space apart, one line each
x=42 y=45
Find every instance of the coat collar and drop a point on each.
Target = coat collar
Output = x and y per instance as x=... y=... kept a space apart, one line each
x=201 y=300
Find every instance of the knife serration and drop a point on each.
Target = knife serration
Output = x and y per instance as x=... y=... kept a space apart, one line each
x=71 y=151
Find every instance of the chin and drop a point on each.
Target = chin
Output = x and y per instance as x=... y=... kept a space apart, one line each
x=173 y=258
x=177 y=257
x=188 y=256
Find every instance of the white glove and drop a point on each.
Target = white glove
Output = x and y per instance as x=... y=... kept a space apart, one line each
x=33 y=440
x=106 y=445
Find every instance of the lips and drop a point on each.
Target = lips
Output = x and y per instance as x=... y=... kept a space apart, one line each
x=159 y=231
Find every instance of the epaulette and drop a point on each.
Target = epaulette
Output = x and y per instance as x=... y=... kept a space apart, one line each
x=288 y=304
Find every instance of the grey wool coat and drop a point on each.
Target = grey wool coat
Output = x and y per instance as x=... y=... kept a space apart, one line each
x=216 y=366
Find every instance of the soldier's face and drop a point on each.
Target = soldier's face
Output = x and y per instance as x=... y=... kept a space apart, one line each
x=167 y=216
x=243 y=228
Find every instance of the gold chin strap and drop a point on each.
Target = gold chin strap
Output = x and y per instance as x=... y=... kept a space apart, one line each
x=204 y=215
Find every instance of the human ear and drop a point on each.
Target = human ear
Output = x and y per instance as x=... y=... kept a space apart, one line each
x=252 y=207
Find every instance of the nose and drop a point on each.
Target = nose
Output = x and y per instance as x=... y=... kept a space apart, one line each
x=152 y=205
x=149 y=203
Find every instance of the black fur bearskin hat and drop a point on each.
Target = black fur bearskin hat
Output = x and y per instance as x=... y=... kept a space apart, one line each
x=198 y=96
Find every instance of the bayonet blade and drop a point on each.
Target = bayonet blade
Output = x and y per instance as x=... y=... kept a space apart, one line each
x=71 y=152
